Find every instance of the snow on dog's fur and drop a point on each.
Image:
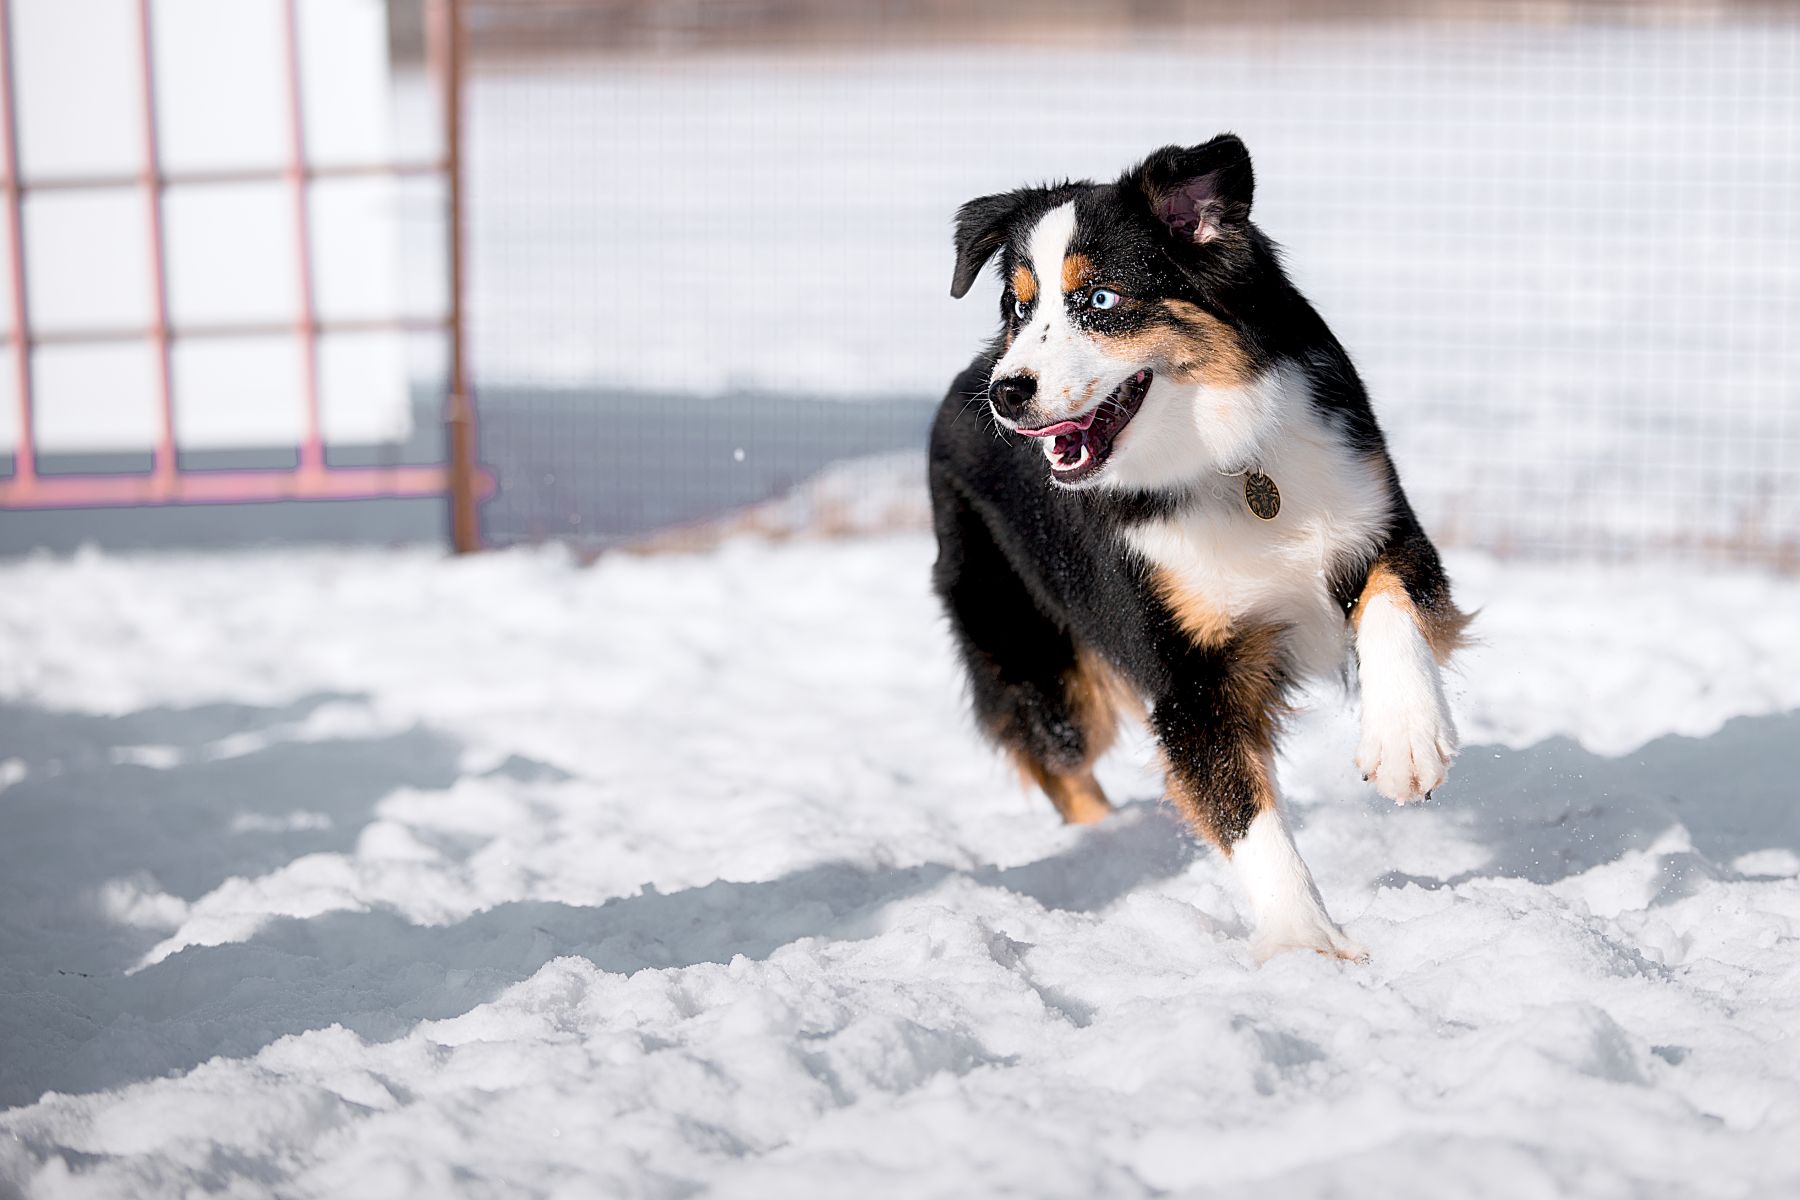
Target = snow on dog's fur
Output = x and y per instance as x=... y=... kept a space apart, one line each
x=1191 y=505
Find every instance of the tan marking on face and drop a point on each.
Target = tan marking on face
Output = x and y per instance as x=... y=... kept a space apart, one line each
x=1076 y=271
x=1192 y=347
x=1024 y=283
x=1444 y=626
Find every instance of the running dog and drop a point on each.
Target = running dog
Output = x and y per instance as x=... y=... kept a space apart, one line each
x=1162 y=486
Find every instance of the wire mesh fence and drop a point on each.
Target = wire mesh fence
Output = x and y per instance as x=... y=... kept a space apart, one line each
x=710 y=243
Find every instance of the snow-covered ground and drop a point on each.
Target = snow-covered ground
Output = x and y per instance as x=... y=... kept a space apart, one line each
x=371 y=874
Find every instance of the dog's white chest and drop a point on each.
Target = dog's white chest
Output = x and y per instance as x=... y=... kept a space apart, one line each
x=1278 y=571
x=1242 y=568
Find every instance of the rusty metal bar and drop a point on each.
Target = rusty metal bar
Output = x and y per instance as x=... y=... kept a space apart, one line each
x=224 y=487
x=159 y=266
x=25 y=455
x=168 y=179
x=312 y=444
x=200 y=331
x=465 y=523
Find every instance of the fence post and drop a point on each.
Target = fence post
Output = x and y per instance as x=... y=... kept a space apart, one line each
x=163 y=462
x=465 y=526
x=306 y=320
x=25 y=455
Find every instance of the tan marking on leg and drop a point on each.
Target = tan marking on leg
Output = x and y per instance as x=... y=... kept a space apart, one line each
x=1024 y=283
x=1076 y=271
x=1100 y=695
x=1198 y=617
x=1253 y=681
x=1191 y=347
x=1252 y=685
x=1097 y=696
x=1444 y=626
x=1203 y=816
x=1076 y=795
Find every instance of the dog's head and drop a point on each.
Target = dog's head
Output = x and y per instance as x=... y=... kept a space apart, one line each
x=1123 y=350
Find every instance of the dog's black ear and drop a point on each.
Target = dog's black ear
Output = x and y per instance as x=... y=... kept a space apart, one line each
x=980 y=228
x=1201 y=193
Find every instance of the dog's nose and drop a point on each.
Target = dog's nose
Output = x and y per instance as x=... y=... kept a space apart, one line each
x=1012 y=394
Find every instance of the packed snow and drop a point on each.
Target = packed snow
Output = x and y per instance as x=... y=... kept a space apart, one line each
x=377 y=873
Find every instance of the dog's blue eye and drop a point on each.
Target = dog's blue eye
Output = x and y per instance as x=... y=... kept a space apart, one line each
x=1103 y=298
x=1020 y=308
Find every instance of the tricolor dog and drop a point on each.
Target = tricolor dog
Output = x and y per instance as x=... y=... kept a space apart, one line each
x=1162 y=487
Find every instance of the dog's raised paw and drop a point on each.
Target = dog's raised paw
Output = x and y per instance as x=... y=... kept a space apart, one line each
x=1407 y=754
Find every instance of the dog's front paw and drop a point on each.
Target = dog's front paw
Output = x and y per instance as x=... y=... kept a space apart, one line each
x=1321 y=935
x=1406 y=752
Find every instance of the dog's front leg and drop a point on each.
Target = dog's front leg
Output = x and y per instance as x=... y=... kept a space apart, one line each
x=1216 y=724
x=1408 y=735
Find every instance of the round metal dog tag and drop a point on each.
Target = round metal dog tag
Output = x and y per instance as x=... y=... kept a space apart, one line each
x=1261 y=494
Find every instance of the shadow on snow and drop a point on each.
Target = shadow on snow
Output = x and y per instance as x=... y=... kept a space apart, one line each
x=1543 y=813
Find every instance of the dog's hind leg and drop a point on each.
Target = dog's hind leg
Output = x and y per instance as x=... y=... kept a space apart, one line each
x=1040 y=697
x=1085 y=703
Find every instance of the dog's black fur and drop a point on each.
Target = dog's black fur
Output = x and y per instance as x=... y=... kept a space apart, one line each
x=1038 y=579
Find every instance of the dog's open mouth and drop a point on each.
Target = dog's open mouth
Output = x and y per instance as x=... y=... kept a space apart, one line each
x=1076 y=449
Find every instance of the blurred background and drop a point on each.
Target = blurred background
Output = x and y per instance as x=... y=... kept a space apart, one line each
x=704 y=256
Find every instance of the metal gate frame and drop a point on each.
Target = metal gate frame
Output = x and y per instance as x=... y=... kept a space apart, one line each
x=312 y=479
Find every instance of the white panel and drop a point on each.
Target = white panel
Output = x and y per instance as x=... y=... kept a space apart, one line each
x=356 y=269
x=423 y=233
x=363 y=388
x=232 y=255
x=6 y=296
x=80 y=81
x=87 y=259
x=221 y=90
x=428 y=360
x=95 y=397
x=344 y=80
x=418 y=107
x=9 y=402
x=238 y=392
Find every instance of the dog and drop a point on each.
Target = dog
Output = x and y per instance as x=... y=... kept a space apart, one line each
x=1162 y=486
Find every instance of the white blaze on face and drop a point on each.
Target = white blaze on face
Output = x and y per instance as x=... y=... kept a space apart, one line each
x=1073 y=374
